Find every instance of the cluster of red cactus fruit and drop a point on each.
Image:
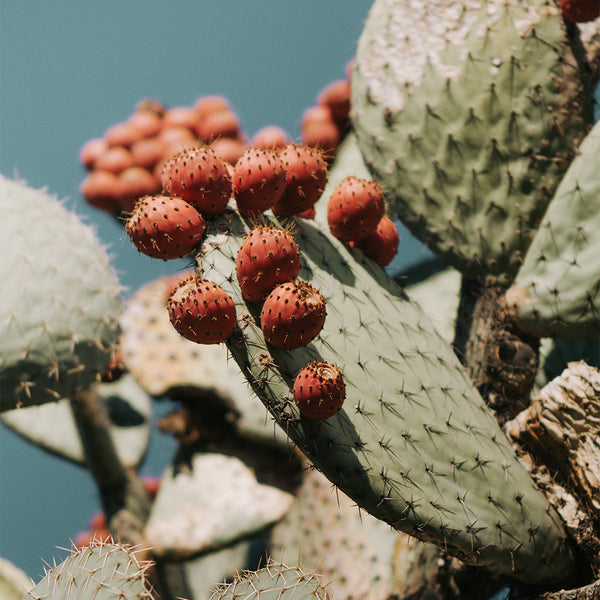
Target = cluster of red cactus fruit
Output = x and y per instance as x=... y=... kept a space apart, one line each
x=127 y=161
x=98 y=527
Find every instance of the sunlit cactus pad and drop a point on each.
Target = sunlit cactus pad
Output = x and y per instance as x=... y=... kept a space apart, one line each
x=557 y=290
x=414 y=443
x=97 y=572
x=60 y=304
x=276 y=581
x=468 y=113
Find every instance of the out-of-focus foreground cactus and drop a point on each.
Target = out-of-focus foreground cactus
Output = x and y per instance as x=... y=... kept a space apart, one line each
x=476 y=120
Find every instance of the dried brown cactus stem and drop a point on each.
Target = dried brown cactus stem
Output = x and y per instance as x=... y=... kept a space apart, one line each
x=124 y=499
x=501 y=360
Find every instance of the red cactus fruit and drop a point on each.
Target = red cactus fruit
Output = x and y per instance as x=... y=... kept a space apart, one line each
x=319 y=391
x=151 y=485
x=267 y=257
x=180 y=116
x=97 y=521
x=258 y=181
x=115 y=369
x=200 y=177
x=306 y=176
x=91 y=150
x=115 y=160
x=206 y=105
x=201 y=311
x=164 y=227
x=307 y=214
x=148 y=152
x=319 y=129
x=355 y=208
x=336 y=96
x=223 y=123
x=580 y=11
x=381 y=245
x=123 y=134
x=292 y=315
x=148 y=122
x=132 y=184
x=270 y=138
x=229 y=149
x=100 y=189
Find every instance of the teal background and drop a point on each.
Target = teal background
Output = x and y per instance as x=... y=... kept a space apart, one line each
x=71 y=69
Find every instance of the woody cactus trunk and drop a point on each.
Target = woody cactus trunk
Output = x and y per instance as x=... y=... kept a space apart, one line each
x=476 y=120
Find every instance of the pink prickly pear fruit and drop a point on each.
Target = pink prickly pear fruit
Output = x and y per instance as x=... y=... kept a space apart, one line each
x=336 y=97
x=270 y=138
x=123 y=134
x=306 y=176
x=380 y=245
x=97 y=521
x=258 y=181
x=293 y=315
x=200 y=177
x=580 y=11
x=180 y=116
x=115 y=160
x=165 y=227
x=355 y=208
x=223 y=123
x=148 y=122
x=151 y=485
x=267 y=257
x=91 y=150
x=148 y=152
x=229 y=149
x=201 y=311
x=100 y=189
x=207 y=105
x=319 y=130
x=132 y=184
x=319 y=391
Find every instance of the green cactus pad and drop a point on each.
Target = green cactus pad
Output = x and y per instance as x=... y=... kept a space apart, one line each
x=468 y=114
x=218 y=502
x=13 y=581
x=276 y=581
x=52 y=427
x=325 y=531
x=99 y=572
x=164 y=361
x=557 y=290
x=414 y=443
x=60 y=305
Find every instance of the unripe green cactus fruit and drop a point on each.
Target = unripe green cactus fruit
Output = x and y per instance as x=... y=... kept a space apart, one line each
x=557 y=290
x=60 y=304
x=99 y=572
x=414 y=443
x=468 y=114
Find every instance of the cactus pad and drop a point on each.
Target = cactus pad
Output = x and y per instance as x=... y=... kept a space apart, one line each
x=60 y=303
x=468 y=114
x=414 y=443
x=97 y=572
x=557 y=290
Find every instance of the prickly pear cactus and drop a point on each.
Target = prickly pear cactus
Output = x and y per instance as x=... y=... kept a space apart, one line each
x=276 y=581
x=414 y=444
x=468 y=114
x=557 y=290
x=98 y=572
x=60 y=303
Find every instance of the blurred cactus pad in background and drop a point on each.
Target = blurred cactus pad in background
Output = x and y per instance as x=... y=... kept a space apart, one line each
x=343 y=428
